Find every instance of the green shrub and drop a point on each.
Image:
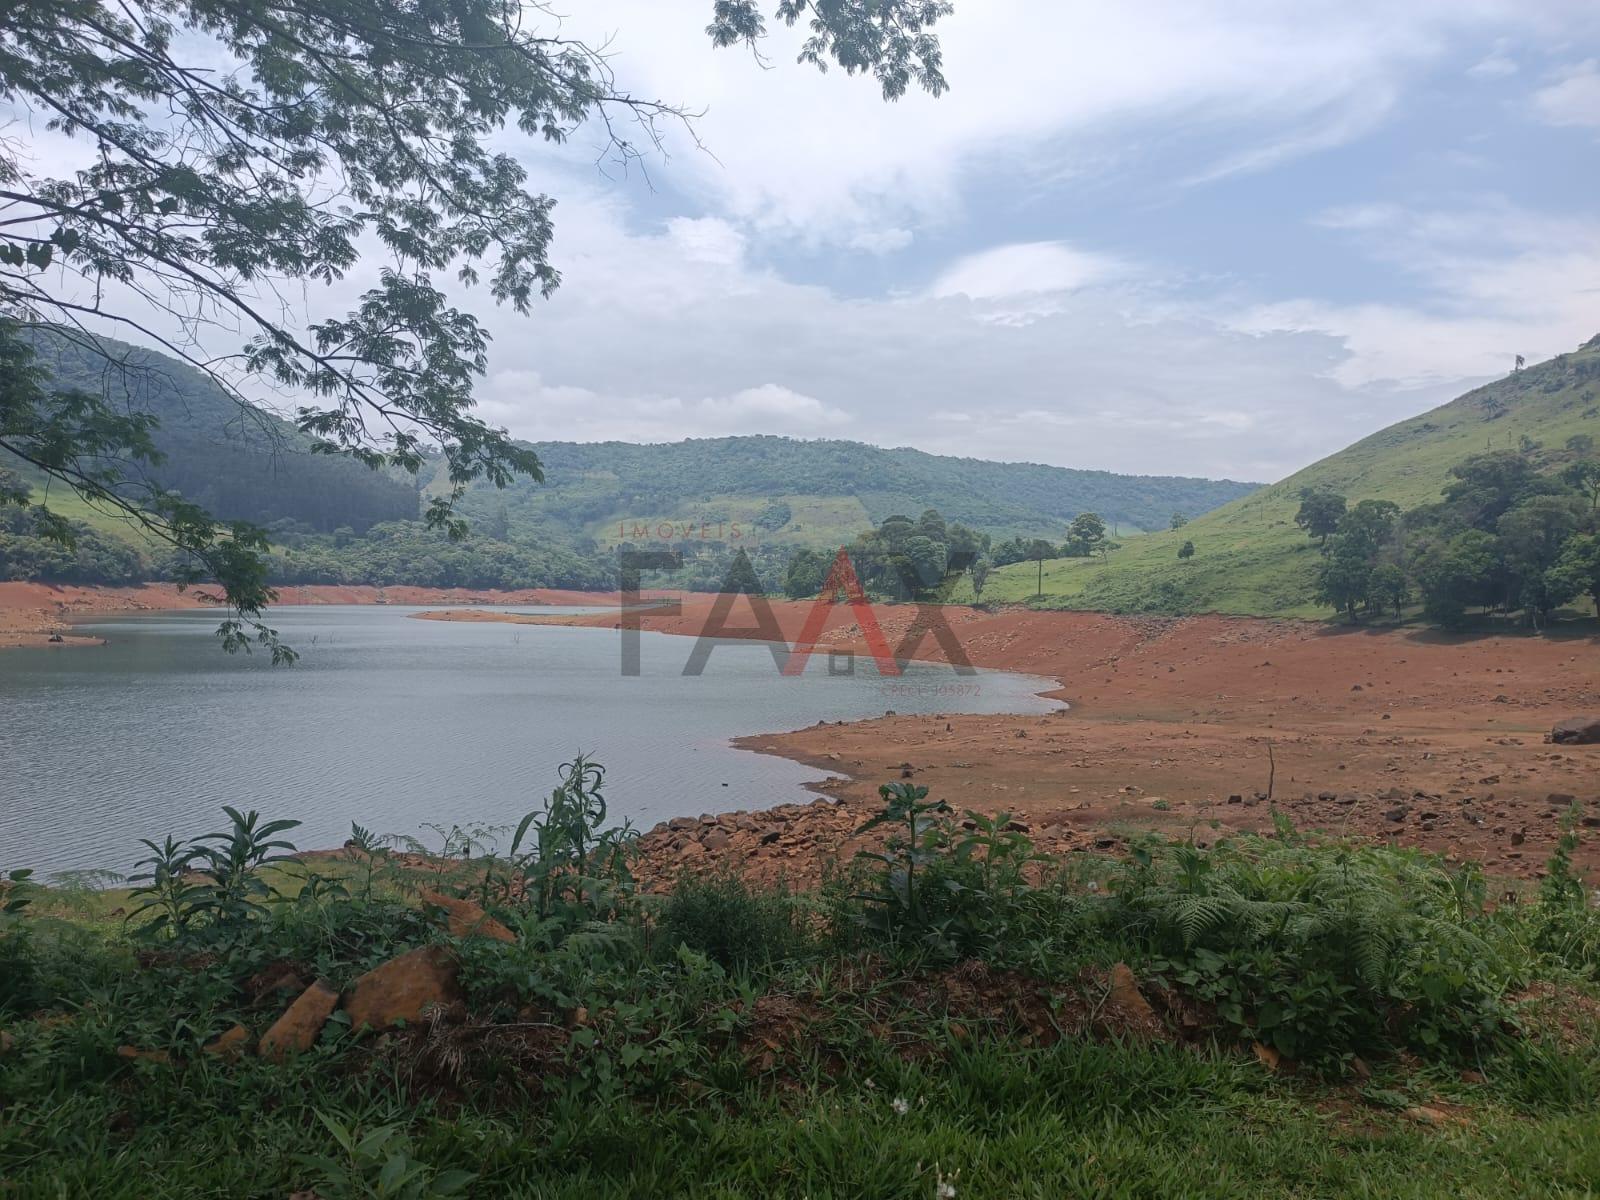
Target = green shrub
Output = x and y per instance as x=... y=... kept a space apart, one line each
x=731 y=923
x=1319 y=951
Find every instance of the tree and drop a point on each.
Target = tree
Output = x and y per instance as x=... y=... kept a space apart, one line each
x=1531 y=539
x=1484 y=486
x=1577 y=571
x=1320 y=512
x=1584 y=476
x=1178 y=521
x=1038 y=550
x=1369 y=525
x=1186 y=551
x=1085 y=535
x=1453 y=576
x=1389 y=587
x=211 y=195
x=980 y=576
x=805 y=575
x=1344 y=579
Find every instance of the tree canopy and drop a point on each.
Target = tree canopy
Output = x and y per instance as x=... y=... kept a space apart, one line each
x=238 y=151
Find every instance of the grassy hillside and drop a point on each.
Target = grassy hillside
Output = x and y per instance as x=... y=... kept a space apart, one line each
x=1250 y=557
x=833 y=489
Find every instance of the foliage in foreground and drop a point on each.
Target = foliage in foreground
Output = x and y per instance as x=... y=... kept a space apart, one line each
x=938 y=1007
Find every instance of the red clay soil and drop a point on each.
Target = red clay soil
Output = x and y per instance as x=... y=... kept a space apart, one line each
x=31 y=612
x=1406 y=736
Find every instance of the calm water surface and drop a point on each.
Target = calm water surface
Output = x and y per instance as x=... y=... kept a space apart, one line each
x=398 y=724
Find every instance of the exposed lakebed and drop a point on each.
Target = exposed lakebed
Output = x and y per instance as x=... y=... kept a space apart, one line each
x=402 y=725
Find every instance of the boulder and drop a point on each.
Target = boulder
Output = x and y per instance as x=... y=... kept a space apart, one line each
x=466 y=918
x=296 y=1031
x=1577 y=731
x=404 y=989
x=715 y=840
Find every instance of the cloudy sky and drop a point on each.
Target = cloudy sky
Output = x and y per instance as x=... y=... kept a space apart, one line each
x=1212 y=237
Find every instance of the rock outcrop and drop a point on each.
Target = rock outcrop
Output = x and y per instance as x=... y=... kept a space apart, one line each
x=296 y=1031
x=404 y=989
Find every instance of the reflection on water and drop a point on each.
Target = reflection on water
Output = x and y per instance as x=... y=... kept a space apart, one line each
x=399 y=724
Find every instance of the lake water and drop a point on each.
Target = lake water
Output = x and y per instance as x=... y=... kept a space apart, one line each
x=398 y=724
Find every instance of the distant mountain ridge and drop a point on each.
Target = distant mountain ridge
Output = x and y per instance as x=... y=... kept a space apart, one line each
x=781 y=492
x=599 y=490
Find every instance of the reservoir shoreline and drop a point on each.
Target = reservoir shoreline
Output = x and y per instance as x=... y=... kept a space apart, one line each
x=1175 y=725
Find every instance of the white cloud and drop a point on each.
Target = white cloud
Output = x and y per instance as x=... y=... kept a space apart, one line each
x=1499 y=281
x=1495 y=65
x=1574 y=99
x=1023 y=269
x=1038 y=89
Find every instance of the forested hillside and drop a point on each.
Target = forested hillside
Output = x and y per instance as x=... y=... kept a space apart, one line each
x=238 y=465
x=826 y=492
x=1251 y=556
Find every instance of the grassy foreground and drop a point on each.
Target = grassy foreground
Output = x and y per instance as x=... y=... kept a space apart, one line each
x=950 y=1019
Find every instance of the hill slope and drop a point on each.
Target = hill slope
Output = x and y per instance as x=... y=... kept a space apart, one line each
x=240 y=465
x=832 y=490
x=1250 y=557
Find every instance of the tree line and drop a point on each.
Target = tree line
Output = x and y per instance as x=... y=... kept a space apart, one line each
x=1504 y=538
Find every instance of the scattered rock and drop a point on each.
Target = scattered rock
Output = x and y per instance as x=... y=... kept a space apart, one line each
x=296 y=1031
x=1576 y=731
x=466 y=918
x=1125 y=994
x=715 y=840
x=229 y=1045
x=134 y=1054
x=1430 y=1115
x=404 y=989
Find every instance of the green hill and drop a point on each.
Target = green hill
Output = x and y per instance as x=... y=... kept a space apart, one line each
x=239 y=464
x=825 y=492
x=1250 y=557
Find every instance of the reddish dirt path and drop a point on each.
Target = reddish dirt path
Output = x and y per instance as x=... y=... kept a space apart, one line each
x=1424 y=739
x=31 y=612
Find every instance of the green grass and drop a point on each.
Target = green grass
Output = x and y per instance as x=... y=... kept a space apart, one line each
x=886 y=1035
x=1250 y=557
x=1081 y=1119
